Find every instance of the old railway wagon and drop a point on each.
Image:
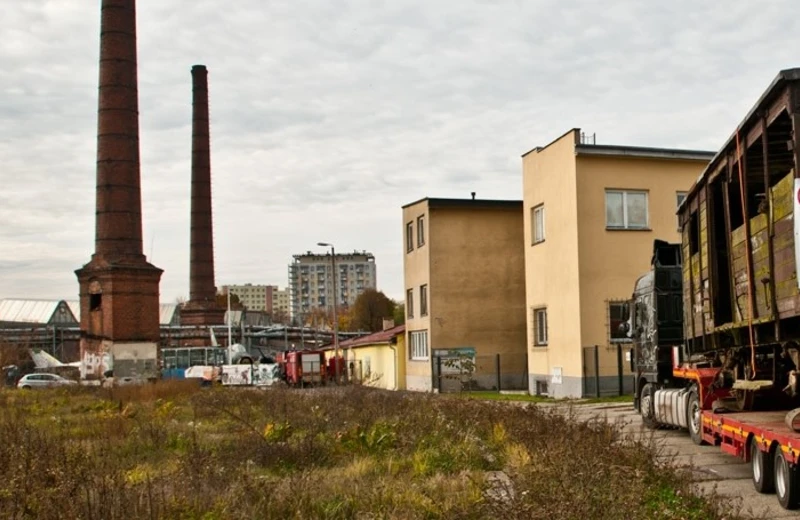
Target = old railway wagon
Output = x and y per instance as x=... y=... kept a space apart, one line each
x=732 y=380
x=740 y=279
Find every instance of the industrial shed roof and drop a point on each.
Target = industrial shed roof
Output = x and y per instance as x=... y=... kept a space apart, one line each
x=75 y=308
x=35 y=311
x=166 y=313
x=42 y=311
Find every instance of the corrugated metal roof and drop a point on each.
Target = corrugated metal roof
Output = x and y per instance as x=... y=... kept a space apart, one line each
x=166 y=313
x=75 y=309
x=27 y=311
x=41 y=311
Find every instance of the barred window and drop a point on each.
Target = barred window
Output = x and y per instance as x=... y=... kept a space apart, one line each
x=540 y=327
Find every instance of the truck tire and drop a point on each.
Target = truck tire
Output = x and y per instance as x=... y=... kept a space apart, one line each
x=647 y=406
x=763 y=469
x=786 y=485
x=694 y=418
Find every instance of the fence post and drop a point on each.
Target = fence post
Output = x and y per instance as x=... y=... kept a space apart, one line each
x=619 y=368
x=439 y=373
x=597 y=371
x=497 y=370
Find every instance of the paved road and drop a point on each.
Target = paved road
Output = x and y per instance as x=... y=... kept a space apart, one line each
x=715 y=470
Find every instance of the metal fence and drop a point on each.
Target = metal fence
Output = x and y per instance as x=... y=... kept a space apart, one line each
x=606 y=370
x=465 y=373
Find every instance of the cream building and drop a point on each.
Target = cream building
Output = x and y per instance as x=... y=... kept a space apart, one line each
x=591 y=214
x=261 y=298
x=278 y=300
x=253 y=297
x=465 y=286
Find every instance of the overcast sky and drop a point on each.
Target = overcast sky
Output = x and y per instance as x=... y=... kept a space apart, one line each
x=328 y=116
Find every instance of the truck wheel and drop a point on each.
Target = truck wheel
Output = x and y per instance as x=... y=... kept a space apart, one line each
x=763 y=469
x=786 y=486
x=647 y=406
x=694 y=418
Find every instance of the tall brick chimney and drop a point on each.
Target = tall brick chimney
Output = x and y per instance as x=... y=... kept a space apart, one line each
x=202 y=308
x=119 y=292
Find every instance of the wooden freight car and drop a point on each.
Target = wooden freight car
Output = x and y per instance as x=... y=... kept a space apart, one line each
x=740 y=280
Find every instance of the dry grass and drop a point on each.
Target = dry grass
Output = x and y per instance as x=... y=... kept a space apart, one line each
x=172 y=450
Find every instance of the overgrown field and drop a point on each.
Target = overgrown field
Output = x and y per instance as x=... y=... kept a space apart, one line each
x=176 y=451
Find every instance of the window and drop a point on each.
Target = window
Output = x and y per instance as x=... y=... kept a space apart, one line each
x=421 y=231
x=694 y=234
x=537 y=224
x=626 y=209
x=680 y=196
x=410 y=303
x=617 y=315
x=419 y=344
x=423 y=300
x=540 y=327
x=409 y=237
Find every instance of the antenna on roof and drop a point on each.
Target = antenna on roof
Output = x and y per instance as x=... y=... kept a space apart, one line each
x=473 y=195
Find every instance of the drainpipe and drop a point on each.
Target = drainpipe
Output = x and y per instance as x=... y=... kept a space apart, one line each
x=394 y=351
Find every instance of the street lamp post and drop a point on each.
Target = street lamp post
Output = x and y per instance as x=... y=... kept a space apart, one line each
x=335 y=319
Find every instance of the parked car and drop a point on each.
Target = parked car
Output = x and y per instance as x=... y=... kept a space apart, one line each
x=44 y=380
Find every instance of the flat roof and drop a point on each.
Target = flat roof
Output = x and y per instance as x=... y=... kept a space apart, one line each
x=643 y=151
x=630 y=151
x=466 y=203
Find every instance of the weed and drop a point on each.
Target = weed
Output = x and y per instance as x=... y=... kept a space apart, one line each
x=171 y=450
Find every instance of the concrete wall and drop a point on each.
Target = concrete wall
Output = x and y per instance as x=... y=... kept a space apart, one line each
x=551 y=266
x=416 y=273
x=477 y=290
x=386 y=366
x=472 y=262
x=612 y=260
x=581 y=265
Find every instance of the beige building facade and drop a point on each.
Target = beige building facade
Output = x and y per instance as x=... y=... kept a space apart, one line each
x=465 y=286
x=591 y=214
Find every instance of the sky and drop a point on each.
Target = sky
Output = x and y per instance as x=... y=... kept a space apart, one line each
x=328 y=116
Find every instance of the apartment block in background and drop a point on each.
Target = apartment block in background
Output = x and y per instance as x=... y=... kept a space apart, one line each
x=278 y=300
x=464 y=278
x=253 y=297
x=311 y=280
x=591 y=215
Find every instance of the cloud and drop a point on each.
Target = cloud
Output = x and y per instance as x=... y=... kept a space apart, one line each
x=327 y=117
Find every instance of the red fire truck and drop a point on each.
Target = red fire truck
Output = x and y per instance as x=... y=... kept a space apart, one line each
x=309 y=368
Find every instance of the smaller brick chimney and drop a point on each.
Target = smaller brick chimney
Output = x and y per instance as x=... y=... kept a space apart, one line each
x=202 y=308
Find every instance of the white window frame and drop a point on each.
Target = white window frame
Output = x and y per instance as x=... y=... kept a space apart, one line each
x=538 y=232
x=625 y=223
x=418 y=349
x=539 y=315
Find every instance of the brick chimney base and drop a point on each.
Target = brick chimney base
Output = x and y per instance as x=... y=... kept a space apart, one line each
x=117 y=306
